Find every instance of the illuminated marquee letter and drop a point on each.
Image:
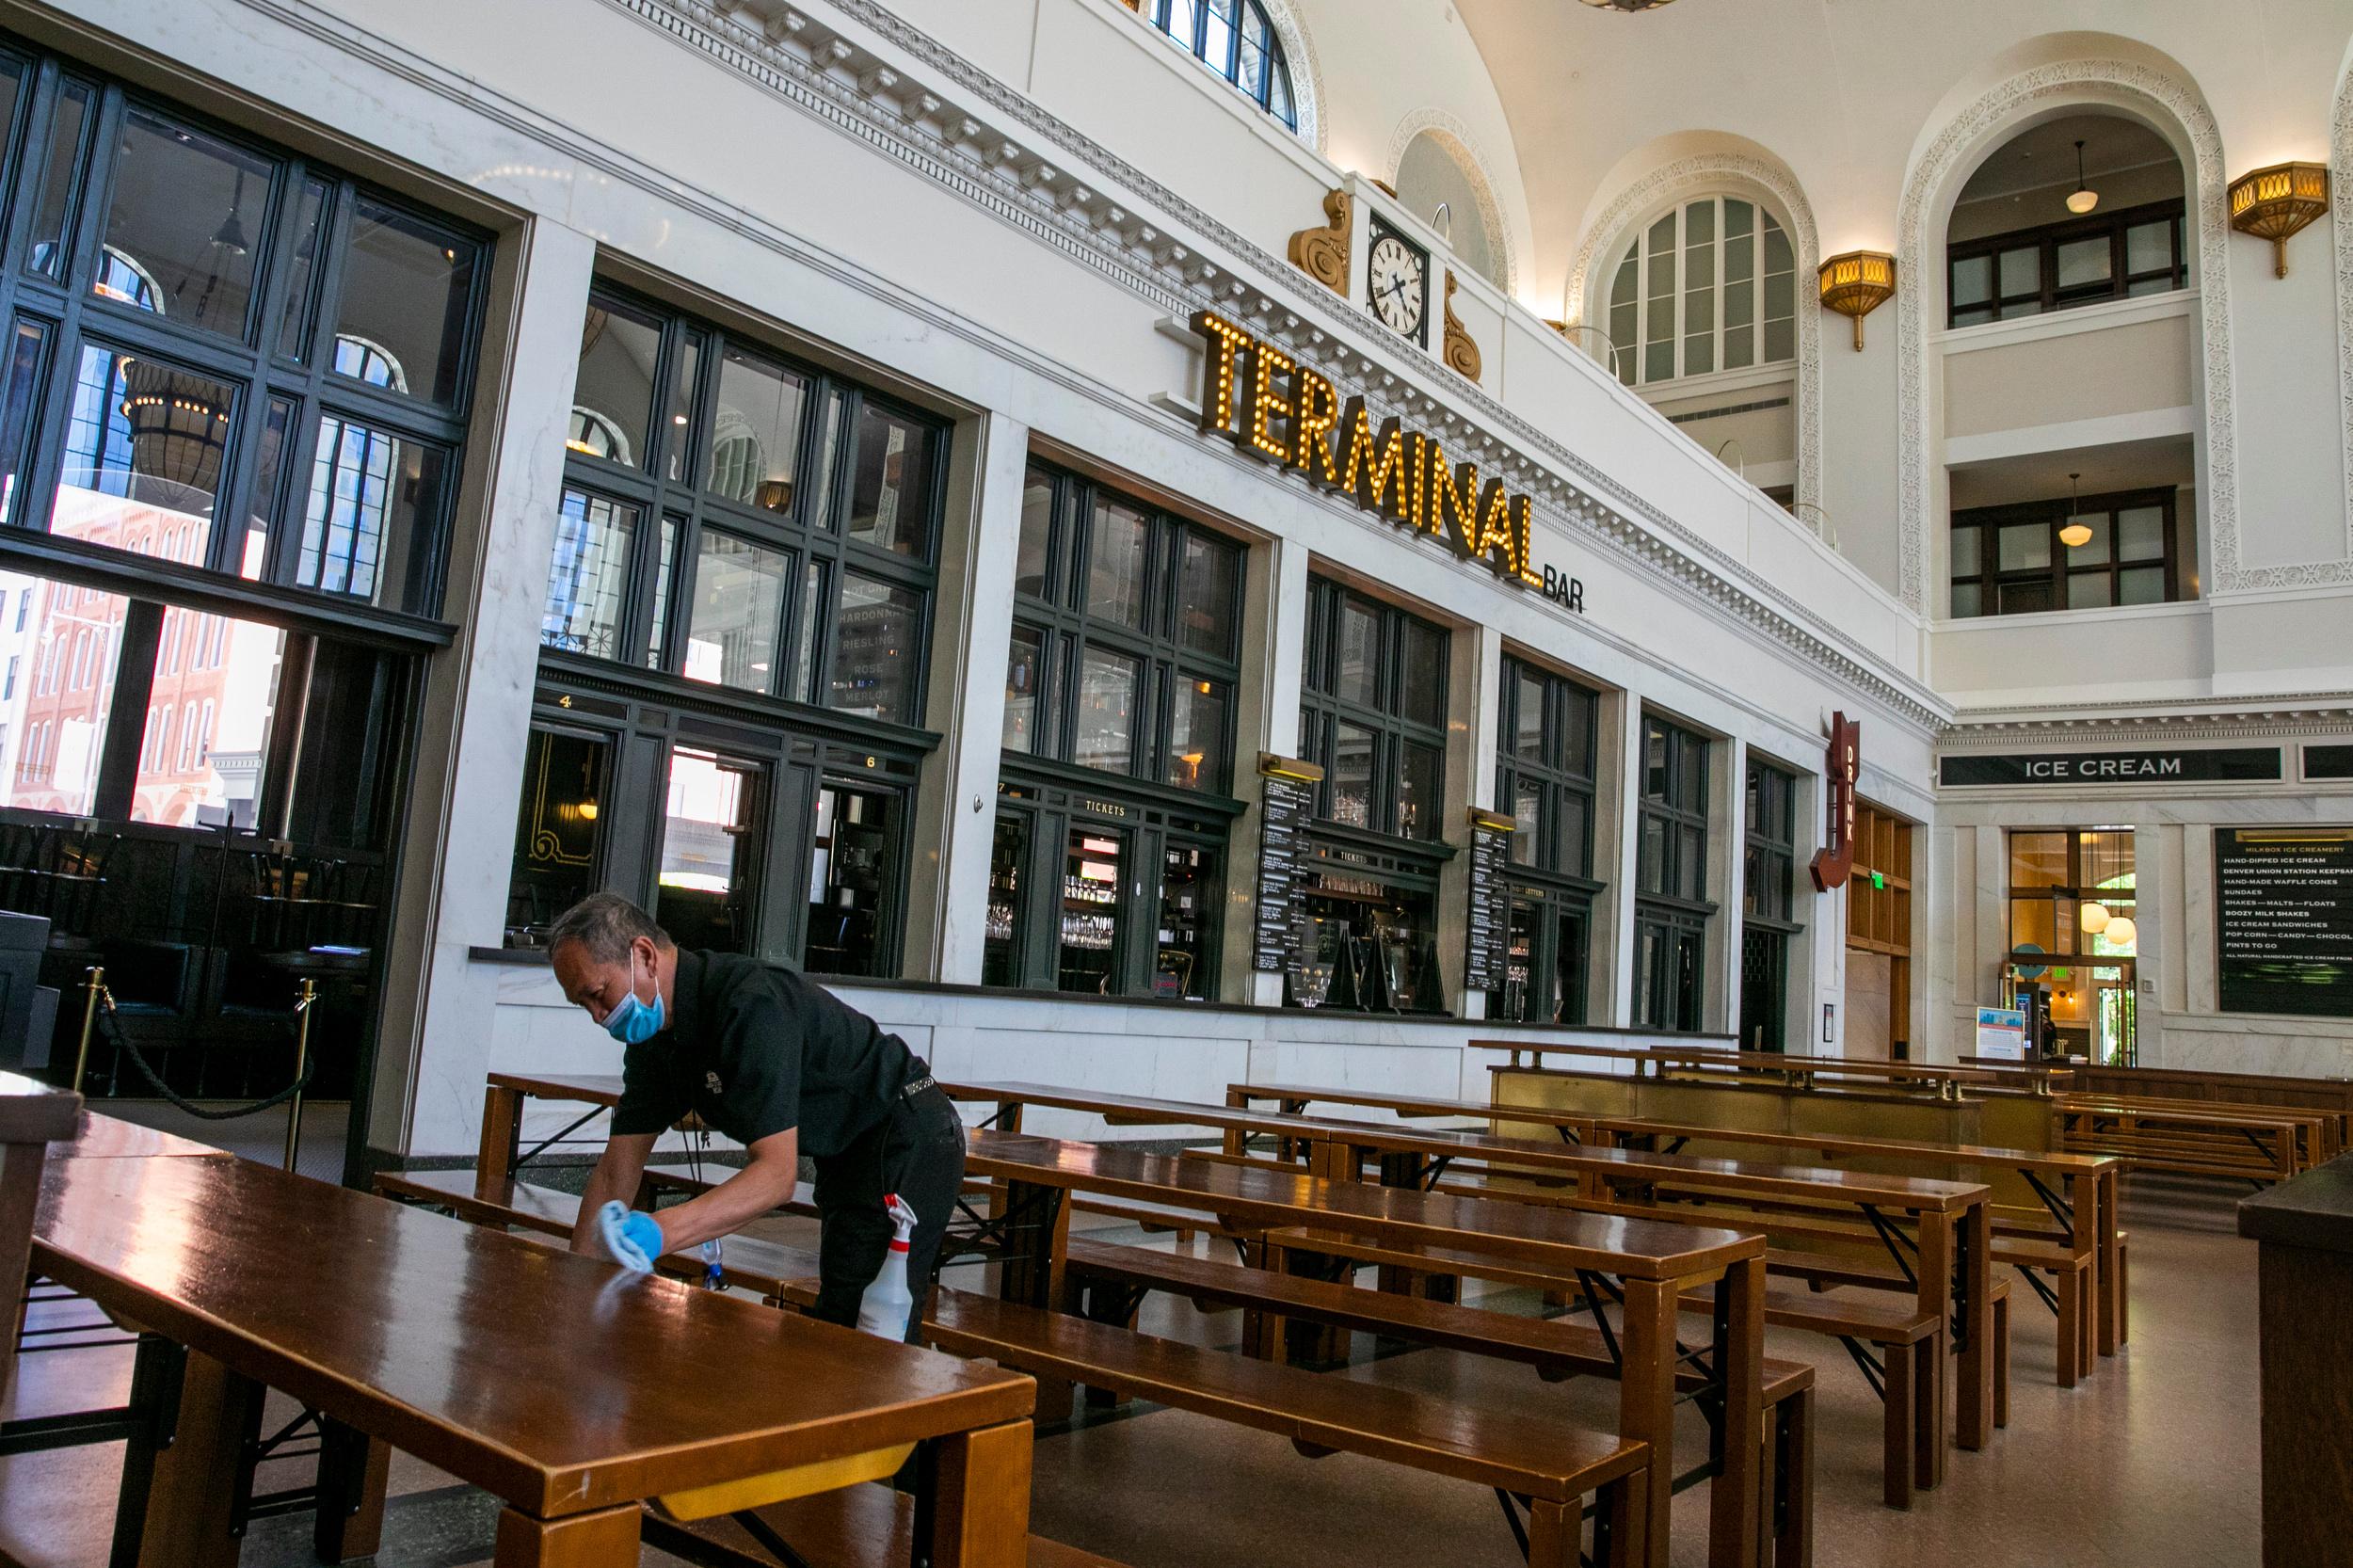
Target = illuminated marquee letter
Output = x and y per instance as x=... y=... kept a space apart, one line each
x=1372 y=466
x=1219 y=365
x=1506 y=534
x=1455 y=501
x=1315 y=409
x=1266 y=363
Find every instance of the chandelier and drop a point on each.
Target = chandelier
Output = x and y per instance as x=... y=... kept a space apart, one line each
x=1629 y=4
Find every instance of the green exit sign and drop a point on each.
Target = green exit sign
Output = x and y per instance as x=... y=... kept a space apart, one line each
x=1879 y=880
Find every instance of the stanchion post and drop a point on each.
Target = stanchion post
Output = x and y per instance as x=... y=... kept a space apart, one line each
x=95 y=980
x=302 y=1062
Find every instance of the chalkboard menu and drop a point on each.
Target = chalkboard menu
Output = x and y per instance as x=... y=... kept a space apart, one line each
x=2284 y=920
x=1490 y=863
x=1285 y=806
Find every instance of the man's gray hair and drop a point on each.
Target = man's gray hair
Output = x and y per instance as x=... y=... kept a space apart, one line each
x=608 y=925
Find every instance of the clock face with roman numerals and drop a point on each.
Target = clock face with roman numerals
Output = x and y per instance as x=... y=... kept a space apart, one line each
x=1396 y=273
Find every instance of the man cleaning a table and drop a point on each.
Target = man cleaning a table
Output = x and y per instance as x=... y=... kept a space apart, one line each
x=775 y=1063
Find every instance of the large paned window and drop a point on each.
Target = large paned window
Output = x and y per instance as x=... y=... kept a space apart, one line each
x=1110 y=850
x=2085 y=260
x=2015 y=560
x=1545 y=776
x=1711 y=285
x=1769 y=905
x=1374 y=715
x=1671 y=906
x=2074 y=942
x=223 y=355
x=735 y=639
x=1234 y=38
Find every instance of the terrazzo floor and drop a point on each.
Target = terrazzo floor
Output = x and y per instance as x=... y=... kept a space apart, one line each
x=2152 y=1463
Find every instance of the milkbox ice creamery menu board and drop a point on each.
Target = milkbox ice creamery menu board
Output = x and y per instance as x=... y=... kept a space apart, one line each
x=2284 y=920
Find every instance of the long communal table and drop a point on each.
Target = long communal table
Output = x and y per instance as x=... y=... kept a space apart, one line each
x=570 y=1391
x=1952 y=1219
x=2079 y=1191
x=33 y=1118
x=1027 y=1230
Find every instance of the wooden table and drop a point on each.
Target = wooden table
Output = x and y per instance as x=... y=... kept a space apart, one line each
x=33 y=1118
x=2304 y=1232
x=1955 y=1270
x=571 y=1390
x=1798 y=1070
x=2086 y=1122
x=1656 y=1261
x=2083 y=1201
x=112 y=1138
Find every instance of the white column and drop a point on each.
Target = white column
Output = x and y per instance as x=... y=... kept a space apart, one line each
x=475 y=725
x=1475 y=671
x=1274 y=661
x=972 y=628
x=1727 y=868
x=1618 y=821
x=2158 y=939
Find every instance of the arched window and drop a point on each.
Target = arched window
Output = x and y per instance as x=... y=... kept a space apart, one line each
x=1712 y=285
x=1235 y=39
x=372 y=362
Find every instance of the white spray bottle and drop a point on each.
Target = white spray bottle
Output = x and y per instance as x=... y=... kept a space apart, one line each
x=884 y=1309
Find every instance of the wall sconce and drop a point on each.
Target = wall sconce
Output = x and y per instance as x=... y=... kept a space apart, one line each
x=1857 y=283
x=2273 y=203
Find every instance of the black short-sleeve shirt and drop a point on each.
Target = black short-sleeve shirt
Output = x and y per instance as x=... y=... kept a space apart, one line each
x=756 y=1049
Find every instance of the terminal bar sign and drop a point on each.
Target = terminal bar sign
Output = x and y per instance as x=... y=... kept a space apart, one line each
x=1281 y=411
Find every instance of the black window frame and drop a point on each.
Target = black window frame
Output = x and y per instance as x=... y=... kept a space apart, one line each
x=75 y=317
x=1991 y=581
x=1770 y=832
x=1553 y=890
x=1322 y=708
x=2048 y=295
x=1661 y=881
x=1068 y=629
x=654 y=598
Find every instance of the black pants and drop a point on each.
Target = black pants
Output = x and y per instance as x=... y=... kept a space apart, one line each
x=915 y=1151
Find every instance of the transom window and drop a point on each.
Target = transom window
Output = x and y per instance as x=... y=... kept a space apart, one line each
x=1373 y=713
x=2015 y=560
x=1235 y=39
x=1126 y=626
x=224 y=355
x=744 y=520
x=1769 y=881
x=2085 y=260
x=1710 y=286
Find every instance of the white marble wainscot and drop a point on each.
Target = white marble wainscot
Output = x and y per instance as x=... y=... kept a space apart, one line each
x=2264 y=1042
x=1168 y=1052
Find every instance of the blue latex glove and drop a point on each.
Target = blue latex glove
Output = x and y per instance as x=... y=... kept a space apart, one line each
x=632 y=1237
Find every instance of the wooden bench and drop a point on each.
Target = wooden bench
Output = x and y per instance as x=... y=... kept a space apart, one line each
x=1901 y=1364
x=1113 y=1279
x=1552 y=1466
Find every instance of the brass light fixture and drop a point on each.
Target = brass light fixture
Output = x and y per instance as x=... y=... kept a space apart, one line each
x=1857 y=283
x=2077 y=533
x=1628 y=5
x=2274 y=203
x=2082 y=197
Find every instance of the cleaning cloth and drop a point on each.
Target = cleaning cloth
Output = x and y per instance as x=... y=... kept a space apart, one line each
x=633 y=1237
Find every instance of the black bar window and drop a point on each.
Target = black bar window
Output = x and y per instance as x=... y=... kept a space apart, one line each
x=1111 y=851
x=1545 y=776
x=742 y=584
x=1672 y=907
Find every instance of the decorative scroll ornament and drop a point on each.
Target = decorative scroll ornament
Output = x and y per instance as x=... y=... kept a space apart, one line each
x=1462 y=355
x=1322 y=254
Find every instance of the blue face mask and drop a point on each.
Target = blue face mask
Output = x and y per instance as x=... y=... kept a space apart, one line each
x=633 y=1022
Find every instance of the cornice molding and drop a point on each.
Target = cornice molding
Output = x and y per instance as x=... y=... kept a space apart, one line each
x=1472 y=158
x=1713 y=170
x=2163 y=98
